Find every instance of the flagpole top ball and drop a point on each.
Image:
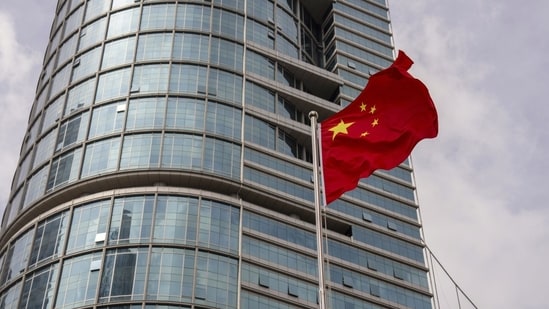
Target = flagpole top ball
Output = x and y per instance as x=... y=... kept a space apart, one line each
x=313 y=114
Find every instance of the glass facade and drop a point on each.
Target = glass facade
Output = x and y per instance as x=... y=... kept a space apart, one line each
x=167 y=162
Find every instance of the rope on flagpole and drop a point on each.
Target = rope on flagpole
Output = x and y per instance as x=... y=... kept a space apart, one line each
x=457 y=287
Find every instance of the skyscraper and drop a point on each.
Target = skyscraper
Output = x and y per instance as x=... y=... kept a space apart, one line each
x=167 y=162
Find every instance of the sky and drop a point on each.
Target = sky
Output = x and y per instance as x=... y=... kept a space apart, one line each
x=480 y=182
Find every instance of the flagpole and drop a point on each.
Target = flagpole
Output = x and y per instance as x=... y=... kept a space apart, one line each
x=319 y=251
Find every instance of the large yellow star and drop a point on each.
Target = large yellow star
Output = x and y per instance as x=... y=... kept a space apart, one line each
x=341 y=127
x=362 y=107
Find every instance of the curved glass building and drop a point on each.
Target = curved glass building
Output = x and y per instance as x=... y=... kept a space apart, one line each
x=167 y=162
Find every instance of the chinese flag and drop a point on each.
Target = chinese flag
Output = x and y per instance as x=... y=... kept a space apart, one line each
x=378 y=130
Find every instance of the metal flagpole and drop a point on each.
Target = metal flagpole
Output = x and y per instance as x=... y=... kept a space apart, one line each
x=319 y=251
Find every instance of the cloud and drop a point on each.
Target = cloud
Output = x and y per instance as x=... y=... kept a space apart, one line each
x=482 y=209
x=19 y=66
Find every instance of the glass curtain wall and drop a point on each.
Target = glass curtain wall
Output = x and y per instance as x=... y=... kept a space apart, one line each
x=167 y=162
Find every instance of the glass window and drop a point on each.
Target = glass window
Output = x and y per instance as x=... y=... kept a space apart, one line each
x=188 y=79
x=120 y=3
x=364 y=41
x=364 y=29
x=67 y=49
x=225 y=86
x=260 y=97
x=151 y=78
x=95 y=8
x=216 y=280
x=226 y=54
x=237 y=5
x=228 y=24
x=182 y=151
x=186 y=114
x=49 y=238
x=147 y=113
x=363 y=54
x=286 y=258
x=288 y=110
x=286 y=144
x=92 y=33
x=113 y=84
x=64 y=169
x=385 y=202
x=86 y=64
x=124 y=22
x=16 y=258
x=154 y=46
x=74 y=20
x=223 y=120
x=53 y=113
x=190 y=46
x=261 y=9
x=124 y=279
x=282 y=166
x=107 y=119
x=285 y=77
x=260 y=132
x=39 y=103
x=274 y=182
x=289 y=4
x=261 y=65
x=36 y=186
x=379 y=288
x=171 y=274
x=279 y=230
x=118 y=52
x=61 y=13
x=278 y=282
x=88 y=221
x=140 y=151
x=72 y=131
x=378 y=263
x=390 y=186
x=193 y=17
x=131 y=220
x=260 y=34
x=14 y=208
x=24 y=169
x=388 y=243
x=60 y=80
x=222 y=157
x=287 y=24
x=78 y=282
x=44 y=148
x=369 y=7
x=218 y=226
x=176 y=220
x=158 y=17
x=101 y=157
x=286 y=47
x=80 y=96
x=38 y=290
x=10 y=297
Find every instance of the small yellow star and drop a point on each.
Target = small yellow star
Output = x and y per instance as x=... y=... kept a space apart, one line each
x=362 y=107
x=372 y=109
x=375 y=122
x=364 y=134
x=341 y=127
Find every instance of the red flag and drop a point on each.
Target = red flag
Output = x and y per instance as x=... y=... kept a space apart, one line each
x=378 y=130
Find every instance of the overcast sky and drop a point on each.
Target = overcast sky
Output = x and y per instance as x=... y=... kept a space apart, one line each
x=480 y=183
